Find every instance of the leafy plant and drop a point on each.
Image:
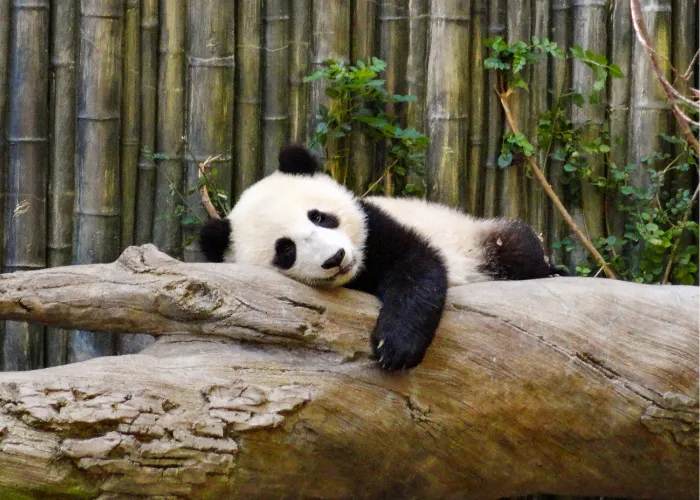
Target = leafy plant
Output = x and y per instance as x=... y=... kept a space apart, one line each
x=189 y=219
x=511 y=59
x=358 y=105
x=655 y=246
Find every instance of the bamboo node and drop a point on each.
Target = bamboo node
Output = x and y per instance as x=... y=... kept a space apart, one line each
x=212 y=62
x=275 y=118
x=658 y=6
x=590 y=3
x=26 y=139
x=30 y=5
x=452 y=19
x=273 y=19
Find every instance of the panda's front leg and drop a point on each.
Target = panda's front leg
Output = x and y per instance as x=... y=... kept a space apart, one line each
x=413 y=293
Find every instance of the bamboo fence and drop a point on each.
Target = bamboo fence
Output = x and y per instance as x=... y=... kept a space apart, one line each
x=108 y=106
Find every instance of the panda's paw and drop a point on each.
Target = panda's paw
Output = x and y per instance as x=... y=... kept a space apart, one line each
x=396 y=351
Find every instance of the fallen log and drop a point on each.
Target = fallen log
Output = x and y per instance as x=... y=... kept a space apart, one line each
x=260 y=387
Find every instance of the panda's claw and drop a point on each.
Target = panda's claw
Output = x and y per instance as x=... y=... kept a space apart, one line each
x=395 y=350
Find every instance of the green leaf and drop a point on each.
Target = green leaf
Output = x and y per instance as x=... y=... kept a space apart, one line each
x=615 y=71
x=577 y=99
x=495 y=63
x=505 y=160
x=333 y=92
x=521 y=83
x=577 y=52
x=604 y=148
x=314 y=76
x=597 y=58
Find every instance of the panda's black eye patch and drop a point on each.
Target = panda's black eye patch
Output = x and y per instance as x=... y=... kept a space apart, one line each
x=285 y=253
x=322 y=219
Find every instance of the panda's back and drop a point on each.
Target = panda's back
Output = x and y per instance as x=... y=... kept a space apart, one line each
x=458 y=236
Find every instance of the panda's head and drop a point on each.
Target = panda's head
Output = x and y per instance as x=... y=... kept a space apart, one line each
x=298 y=221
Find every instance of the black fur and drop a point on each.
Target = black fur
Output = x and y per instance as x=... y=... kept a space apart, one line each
x=410 y=278
x=214 y=239
x=297 y=160
x=322 y=219
x=514 y=252
x=285 y=253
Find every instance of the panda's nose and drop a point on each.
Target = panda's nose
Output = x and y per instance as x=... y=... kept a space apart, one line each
x=335 y=260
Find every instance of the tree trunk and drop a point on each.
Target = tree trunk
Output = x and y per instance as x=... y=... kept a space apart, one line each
x=567 y=385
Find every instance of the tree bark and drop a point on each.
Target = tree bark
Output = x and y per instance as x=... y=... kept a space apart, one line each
x=260 y=387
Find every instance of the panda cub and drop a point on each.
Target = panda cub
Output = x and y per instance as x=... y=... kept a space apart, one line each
x=407 y=252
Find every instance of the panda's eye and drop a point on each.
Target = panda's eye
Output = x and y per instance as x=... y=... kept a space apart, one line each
x=285 y=253
x=323 y=219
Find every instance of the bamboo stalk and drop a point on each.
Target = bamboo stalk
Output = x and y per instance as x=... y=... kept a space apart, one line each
x=275 y=119
x=562 y=34
x=145 y=203
x=64 y=16
x=649 y=116
x=492 y=175
x=619 y=109
x=131 y=74
x=299 y=56
x=331 y=40
x=448 y=98
x=416 y=66
x=590 y=33
x=685 y=45
x=211 y=45
x=28 y=157
x=98 y=215
x=538 y=100
x=5 y=22
x=514 y=195
x=167 y=234
x=478 y=121
x=248 y=93
x=393 y=48
x=362 y=149
x=142 y=27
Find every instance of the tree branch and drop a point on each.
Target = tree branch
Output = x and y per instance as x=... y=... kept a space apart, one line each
x=204 y=191
x=672 y=95
x=563 y=385
x=552 y=195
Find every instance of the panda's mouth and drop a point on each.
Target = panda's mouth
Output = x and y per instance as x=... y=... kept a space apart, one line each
x=344 y=269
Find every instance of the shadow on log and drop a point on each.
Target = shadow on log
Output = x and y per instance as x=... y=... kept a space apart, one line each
x=260 y=387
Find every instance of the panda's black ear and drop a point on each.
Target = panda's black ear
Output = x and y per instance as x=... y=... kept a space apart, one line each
x=297 y=160
x=215 y=239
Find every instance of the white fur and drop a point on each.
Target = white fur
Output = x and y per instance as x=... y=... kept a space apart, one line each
x=277 y=207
